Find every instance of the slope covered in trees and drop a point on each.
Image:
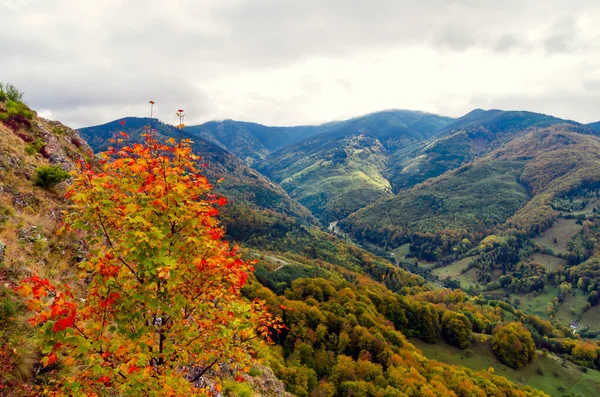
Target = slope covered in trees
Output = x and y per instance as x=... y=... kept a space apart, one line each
x=463 y=140
x=511 y=187
x=251 y=142
x=344 y=168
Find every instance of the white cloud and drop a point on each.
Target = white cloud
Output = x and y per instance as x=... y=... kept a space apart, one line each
x=300 y=61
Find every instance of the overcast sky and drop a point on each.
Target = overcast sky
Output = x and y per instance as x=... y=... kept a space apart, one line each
x=285 y=62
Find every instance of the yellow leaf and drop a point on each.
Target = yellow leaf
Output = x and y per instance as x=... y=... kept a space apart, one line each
x=121 y=351
x=131 y=208
x=164 y=273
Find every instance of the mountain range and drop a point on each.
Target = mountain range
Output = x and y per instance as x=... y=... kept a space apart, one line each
x=373 y=235
x=337 y=168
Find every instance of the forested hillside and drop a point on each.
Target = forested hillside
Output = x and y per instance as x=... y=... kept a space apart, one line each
x=349 y=314
x=345 y=167
x=251 y=142
x=511 y=187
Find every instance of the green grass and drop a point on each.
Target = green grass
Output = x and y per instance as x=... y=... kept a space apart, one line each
x=427 y=264
x=549 y=262
x=537 y=303
x=563 y=230
x=401 y=252
x=469 y=279
x=590 y=320
x=454 y=269
x=570 y=310
x=569 y=375
x=589 y=208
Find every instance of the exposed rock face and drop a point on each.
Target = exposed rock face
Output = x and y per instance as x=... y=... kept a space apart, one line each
x=266 y=384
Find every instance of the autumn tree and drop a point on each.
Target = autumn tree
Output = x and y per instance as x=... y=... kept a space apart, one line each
x=586 y=353
x=162 y=307
x=456 y=329
x=513 y=344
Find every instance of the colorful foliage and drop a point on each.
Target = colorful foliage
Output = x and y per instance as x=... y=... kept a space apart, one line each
x=162 y=309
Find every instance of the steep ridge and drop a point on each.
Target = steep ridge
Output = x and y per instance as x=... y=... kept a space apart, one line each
x=595 y=126
x=471 y=136
x=343 y=168
x=35 y=155
x=251 y=142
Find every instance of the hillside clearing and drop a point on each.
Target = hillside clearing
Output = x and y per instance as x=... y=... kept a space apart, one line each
x=561 y=232
x=556 y=373
x=549 y=262
x=454 y=269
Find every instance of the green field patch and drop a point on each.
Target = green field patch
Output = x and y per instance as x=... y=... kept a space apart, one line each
x=469 y=279
x=427 y=264
x=589 y=208
x=549 y=262
x=454 y=269
x=537 y=303
x=557 y=237
x=401 y=252
x=570 y=310
x=550 y=374
x=590 y=320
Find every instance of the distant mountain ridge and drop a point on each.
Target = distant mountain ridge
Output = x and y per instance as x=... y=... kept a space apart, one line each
x=337 y=168
x=251 y=141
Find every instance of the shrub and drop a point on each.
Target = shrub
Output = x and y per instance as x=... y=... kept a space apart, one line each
x=237 y=389
x=147 y=285
x=255 y=372
x=18 y=108
x=11 y=92
x=34 y=147
x=49 y=176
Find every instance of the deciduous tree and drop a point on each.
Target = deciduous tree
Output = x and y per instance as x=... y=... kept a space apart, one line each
x=162 y=306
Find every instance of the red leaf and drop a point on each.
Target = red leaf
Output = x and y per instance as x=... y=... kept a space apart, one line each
x=104 y=379
x=51 y=358
x=63 y=324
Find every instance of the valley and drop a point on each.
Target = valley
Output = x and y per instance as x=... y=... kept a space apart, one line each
x=395 y=246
